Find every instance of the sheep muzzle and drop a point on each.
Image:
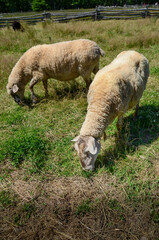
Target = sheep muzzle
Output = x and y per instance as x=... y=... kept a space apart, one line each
x=16 y=98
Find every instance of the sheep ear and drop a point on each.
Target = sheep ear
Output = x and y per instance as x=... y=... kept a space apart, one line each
x=75 y=139
x=91 y=146
x=76 y=143
x=15 y=88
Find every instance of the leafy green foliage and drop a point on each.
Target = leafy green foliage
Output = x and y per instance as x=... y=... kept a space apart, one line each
x=39 y=5
x=14 y=6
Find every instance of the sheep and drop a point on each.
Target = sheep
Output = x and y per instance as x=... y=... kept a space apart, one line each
x=115 y=89
x=63 y=61
x=17 y=26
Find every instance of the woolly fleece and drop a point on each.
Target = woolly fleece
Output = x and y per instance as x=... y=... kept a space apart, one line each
x=115 y=89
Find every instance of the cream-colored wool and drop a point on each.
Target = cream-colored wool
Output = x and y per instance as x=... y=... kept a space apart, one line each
x=115 y=89
x=62 y=61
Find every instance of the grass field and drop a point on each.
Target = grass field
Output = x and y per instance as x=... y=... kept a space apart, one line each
x=44 y=193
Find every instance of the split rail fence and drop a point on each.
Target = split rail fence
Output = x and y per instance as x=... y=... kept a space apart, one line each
x=100 y=13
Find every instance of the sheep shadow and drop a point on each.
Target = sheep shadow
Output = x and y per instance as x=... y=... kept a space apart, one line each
x=71 y=89
x=58 y=91
x=27 y=102
x=143 y=131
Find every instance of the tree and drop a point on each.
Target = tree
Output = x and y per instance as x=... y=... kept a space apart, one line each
x=5 y=6
x=39 y=5
x=15 y=6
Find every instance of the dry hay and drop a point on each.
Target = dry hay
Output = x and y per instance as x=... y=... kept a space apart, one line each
x=57 y=215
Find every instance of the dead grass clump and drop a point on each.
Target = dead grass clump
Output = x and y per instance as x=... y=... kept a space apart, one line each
x=74 y=208
x=143 y=40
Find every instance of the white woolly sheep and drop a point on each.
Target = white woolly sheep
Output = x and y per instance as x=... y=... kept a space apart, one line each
x=115 y=89
x=62 y=61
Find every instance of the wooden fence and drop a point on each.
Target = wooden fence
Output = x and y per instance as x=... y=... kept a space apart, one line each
x=100 y=13
x=125 y=13
x=7 y=21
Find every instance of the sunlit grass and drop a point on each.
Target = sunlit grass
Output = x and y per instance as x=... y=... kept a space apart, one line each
x=35 y=141
x=63 y=112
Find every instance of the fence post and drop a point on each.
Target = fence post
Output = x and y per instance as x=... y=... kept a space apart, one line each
x=146 y=13
x=96 y=14
x=46 y=15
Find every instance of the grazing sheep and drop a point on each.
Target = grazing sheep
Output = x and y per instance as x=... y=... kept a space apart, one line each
x=63 y=61
x=115 y=89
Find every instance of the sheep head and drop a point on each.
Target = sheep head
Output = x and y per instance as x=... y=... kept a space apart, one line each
x=15 y=92
x=87 y=148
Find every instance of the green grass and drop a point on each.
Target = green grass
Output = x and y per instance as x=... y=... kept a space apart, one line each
x=25 y=145
x=5 y=199
x=24 y=213
x=36 y=147
x=84 y=207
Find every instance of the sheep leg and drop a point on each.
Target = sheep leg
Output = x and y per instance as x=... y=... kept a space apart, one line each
x=33 y=81
x=45 y=87
x=104 y=136
x=96 y=69
x=86 y=74
x=119 y=124
x=88 y=81
x=136 y=112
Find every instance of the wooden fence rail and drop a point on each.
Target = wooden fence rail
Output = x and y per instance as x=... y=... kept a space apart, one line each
x=100 y=13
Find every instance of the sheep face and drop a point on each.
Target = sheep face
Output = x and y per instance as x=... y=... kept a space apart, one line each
x=87 y=148
x=16 y=93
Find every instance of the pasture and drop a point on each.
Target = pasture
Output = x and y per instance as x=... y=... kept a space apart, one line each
x=44 y=193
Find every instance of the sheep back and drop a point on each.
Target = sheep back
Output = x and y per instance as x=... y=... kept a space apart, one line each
x=115 y=89
x=62 y=61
